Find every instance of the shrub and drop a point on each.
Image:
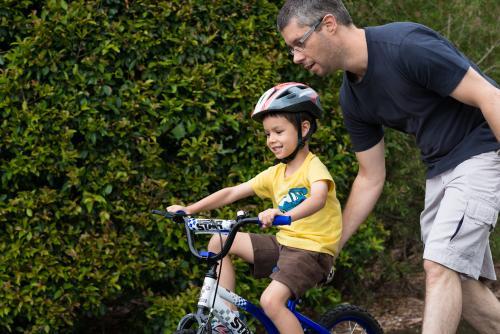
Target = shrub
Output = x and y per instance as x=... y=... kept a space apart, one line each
x=112 y=108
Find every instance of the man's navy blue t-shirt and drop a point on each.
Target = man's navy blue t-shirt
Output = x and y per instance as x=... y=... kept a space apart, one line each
x=411 y=72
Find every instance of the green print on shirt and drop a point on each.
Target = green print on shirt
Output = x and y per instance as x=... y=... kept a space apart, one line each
x=294 y=197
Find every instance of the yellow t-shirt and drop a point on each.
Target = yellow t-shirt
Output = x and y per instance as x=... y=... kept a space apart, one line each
x=319 y=232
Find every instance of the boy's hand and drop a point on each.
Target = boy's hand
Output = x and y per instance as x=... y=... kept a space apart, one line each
x=266 y=217
x=175 y=208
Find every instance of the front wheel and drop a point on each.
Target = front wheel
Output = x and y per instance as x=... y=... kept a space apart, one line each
x=193 y=324
x=194 y=331
x=347 y=318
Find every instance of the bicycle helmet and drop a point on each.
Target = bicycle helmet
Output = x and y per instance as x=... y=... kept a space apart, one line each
x=290 y=97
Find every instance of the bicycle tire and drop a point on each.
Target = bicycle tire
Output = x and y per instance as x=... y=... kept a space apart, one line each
x=350 y=319
x=191 y=324
x=191 y=331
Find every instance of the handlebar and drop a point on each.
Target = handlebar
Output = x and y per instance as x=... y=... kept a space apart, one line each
x=193 y=225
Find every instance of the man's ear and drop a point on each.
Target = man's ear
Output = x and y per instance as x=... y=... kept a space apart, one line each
x=330 y=23
x=306 y=127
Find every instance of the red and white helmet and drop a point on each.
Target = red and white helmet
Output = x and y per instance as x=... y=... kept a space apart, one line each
x=291 y=97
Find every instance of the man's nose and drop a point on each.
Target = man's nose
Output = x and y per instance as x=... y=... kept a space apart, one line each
x=298 y=57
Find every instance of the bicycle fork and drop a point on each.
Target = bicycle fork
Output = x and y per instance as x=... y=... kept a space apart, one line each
x=219 y=308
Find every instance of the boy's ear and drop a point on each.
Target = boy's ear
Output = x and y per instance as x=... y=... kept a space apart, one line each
x=306 y=127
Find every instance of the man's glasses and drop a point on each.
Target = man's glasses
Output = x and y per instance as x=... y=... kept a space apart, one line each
x=299 y=46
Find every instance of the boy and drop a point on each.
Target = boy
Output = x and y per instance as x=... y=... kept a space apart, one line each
x=300 y=186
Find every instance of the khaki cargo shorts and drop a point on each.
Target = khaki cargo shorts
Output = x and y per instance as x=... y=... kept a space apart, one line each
x=461 y=211
x=298 y=269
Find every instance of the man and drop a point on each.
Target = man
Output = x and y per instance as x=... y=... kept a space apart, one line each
x=408 y=77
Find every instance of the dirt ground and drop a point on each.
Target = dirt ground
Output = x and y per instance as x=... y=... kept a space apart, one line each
x=399 y=310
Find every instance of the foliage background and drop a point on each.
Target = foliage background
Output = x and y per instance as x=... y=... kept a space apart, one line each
x=111 y=108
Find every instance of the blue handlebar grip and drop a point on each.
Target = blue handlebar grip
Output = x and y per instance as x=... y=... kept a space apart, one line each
x=282 y=220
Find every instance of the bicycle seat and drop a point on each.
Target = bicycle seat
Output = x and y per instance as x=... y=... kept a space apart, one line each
x=328 y=279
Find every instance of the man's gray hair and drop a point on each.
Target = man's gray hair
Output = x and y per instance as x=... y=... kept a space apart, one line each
x=308 y=12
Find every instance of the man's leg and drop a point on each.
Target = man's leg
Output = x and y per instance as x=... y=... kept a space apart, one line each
x=481 y=308
x=443 y=299
x=460 y=211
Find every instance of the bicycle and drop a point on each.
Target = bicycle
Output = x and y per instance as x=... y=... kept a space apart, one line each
x=344 y=318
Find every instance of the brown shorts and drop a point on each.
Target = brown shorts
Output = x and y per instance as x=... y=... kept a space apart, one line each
x=298 y=269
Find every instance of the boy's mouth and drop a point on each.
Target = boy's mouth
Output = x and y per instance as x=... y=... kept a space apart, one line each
x=276 y=149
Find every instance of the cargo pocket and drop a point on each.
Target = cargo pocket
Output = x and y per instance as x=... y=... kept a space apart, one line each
x=474 y=229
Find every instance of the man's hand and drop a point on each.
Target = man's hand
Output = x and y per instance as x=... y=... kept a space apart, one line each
x=266 y=217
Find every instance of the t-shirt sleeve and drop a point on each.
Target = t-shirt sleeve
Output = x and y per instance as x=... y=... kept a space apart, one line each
x=430 y=60
x=318 y=171
x=262 y=183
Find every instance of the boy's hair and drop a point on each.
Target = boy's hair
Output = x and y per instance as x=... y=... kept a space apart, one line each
x=308 y=12
x=292 y=118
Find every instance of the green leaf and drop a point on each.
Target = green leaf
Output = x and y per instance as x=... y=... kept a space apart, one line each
x=107 y=90
x=179 y=132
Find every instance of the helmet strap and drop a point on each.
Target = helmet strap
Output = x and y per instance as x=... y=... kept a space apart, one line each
x=300 y=143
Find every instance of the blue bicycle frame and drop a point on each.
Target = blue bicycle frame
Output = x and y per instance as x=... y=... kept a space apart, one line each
x=212 y=299
x=269 y=326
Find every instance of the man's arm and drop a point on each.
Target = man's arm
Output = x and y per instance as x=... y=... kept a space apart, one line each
x=365 y=190
x=476 y=91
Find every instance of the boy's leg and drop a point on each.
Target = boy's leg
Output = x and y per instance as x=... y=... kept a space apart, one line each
x=296 y=272
x=242 y=247
x=273 y=302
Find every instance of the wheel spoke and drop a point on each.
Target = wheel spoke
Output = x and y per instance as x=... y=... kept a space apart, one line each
x=350 y=319
x=348 y=327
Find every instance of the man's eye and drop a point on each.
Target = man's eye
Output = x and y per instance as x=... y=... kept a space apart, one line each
x=299 y=45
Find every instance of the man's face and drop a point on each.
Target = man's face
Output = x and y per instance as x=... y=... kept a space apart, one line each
x=315 y=53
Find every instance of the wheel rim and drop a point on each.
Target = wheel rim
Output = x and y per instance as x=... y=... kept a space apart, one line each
x=348 y=327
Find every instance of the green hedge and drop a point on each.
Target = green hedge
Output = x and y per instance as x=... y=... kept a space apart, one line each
x=111 y=108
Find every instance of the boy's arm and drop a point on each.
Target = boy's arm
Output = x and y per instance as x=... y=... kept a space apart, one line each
x=317 y=200
x=216 y=200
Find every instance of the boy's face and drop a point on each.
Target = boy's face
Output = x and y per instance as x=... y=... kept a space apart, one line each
x=281 y=136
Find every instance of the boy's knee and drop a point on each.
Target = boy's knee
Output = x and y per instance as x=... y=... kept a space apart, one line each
x=269 y=304
x=214 y=245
